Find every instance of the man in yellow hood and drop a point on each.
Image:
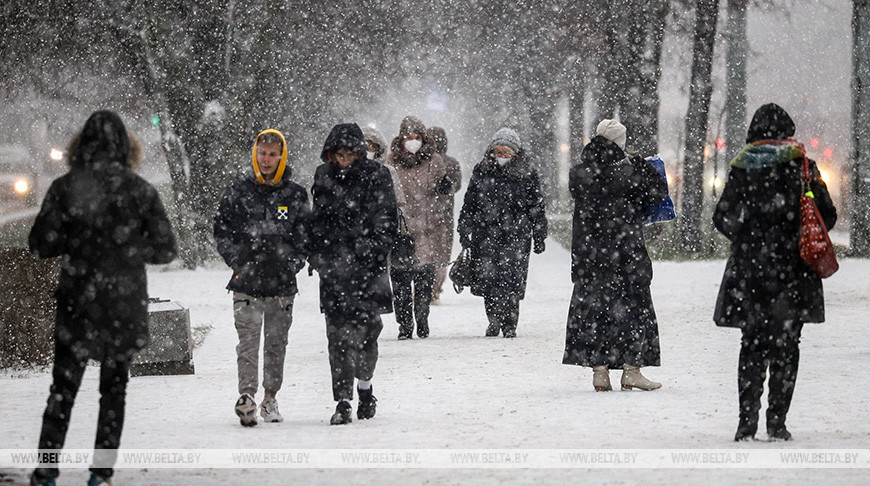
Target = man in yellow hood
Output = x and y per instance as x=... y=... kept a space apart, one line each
x=260 y=233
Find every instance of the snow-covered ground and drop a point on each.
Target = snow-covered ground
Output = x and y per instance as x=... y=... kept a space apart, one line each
x=460 y=391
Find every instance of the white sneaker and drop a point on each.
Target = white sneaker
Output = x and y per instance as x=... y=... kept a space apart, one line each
x=246 y=409
x=269 y=410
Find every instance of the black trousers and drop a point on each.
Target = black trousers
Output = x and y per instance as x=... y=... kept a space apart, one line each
x=412 y=293
x=502 y=312
x=67 y=377
x=759 y=350
x=353 y=351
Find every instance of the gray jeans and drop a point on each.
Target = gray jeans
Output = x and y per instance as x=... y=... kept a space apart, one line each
x=274 y=315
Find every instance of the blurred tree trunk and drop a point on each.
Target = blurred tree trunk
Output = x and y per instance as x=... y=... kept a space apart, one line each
x=701 y=88
x=860 y=194
x=735 y=96
x=633 y=35
x=576 y=114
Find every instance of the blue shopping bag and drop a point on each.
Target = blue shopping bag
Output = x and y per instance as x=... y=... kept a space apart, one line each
x=663 y=211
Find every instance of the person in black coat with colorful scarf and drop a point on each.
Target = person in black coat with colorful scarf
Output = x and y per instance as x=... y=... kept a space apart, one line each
x=611 y=321
x=502 y=217
x=352 y=228
x=767 y=290
x=106 y=223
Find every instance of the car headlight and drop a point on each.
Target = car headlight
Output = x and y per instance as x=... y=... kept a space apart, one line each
x=22 y=186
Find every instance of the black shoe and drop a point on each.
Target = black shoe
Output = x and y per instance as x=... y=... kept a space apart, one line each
x=368 y=404
x=405 y=335
x=423 y=330
x=510 y=333
x=492 y=330
x=779 y=434
x=342 y=414
x=246 y=409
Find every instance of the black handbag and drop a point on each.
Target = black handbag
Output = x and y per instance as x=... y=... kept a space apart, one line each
x=404 y=255
x=461 y=273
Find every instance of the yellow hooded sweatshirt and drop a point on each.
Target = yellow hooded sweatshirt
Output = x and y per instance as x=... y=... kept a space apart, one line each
x=282 y=164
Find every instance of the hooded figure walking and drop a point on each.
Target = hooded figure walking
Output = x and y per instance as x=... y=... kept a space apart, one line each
x=107 y=223
x=352 y=229
x=501 y=220
x=767 y=291
x=444 y=201
x=423 y=176
x=611 y=321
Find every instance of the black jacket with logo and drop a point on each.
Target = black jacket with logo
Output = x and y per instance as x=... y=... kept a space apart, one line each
x=260 y=233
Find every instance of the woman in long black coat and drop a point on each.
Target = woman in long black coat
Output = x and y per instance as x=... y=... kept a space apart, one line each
x=767 y=290
x=502 y=214
x=611 y=321
x=107 y=223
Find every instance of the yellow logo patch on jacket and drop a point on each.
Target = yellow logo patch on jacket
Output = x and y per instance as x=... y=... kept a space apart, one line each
x=282 y=212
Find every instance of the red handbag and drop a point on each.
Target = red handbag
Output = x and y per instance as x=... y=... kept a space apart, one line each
x=815 y=244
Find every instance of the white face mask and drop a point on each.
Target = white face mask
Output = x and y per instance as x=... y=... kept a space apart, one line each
x=502 y=161
x=413 y=146
x=370 y=155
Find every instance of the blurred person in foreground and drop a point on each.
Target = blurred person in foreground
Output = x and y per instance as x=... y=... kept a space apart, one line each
x=106 y=223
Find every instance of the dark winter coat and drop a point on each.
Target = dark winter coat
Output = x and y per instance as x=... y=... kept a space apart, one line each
x=611 y=321
x=503 y=211
x=107 y=223
x=765 y=281
x=352 y=228
x=260 y=232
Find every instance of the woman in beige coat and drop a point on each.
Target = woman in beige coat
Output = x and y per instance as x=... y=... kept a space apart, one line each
x=422 y=176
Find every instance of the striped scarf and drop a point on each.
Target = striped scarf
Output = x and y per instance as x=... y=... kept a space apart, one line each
x=767 y=153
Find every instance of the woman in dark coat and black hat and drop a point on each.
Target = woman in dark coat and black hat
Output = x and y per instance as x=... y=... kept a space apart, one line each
x=767 y=290
x=611 y=321
x=502 y=218
x=107 y=223
x=351 y=231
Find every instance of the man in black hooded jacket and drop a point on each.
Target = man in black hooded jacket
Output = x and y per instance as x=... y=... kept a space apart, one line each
x=352 y=228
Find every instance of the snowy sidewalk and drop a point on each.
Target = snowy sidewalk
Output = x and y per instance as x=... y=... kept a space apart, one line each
x=459 y=390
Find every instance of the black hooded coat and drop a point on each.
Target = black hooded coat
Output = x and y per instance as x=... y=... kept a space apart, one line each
x=352 y=228
x=611 y=320
x=107 y=223
x=766 y=283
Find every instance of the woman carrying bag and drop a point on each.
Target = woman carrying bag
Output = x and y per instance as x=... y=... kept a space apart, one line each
x=768 y=291
x=502 y=214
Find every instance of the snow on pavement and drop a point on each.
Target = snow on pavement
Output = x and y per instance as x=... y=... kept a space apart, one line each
x=460 y=390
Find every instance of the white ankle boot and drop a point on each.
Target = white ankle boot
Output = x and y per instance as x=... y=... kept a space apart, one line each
x=631 y=378
x=601 y=378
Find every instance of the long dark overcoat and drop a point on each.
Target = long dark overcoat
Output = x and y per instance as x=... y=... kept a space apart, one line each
x=502 y=212
x=352 y=229
x=107 y=223
x=611 y=320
